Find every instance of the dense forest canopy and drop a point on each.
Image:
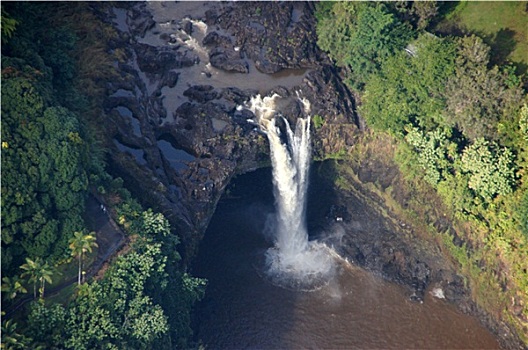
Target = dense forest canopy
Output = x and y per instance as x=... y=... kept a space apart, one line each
x=459 y=122
x=51 y=161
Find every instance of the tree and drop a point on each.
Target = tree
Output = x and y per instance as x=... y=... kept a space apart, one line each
x=360 y=36
x=410 y=87
x=435 y=152
x=37 y=271
x=44 y=179
x=523 y=123
x=8 y=25
x=45 y=153
x=154 y=224
x=478 y=97
x=117 y=310
x=79 y=245
x=491 y=169
x=425 y=10
x=11 y=339
x=522 y=213
x=12 y=286
x=45 y=323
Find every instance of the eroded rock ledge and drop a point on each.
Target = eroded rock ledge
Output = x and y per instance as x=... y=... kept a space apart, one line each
x=177 y=138
x=176 y=135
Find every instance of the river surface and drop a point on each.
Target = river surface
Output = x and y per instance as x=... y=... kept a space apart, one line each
x=357 y=309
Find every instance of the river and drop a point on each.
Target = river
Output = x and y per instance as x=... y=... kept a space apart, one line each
x=357 y=309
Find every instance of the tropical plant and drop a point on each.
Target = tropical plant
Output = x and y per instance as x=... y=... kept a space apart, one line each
x=38 y=271
x=12 y=286
x=360 y=36
x=117 y=310
x=45 y=323
x=491 y=170
x=8 y=25
x=11 y=339
x=81 y=244
x=478 y=97
x=317 y=121
x=410 y=86
x=434 y=152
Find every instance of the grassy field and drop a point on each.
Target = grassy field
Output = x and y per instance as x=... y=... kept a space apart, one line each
x=502 y=24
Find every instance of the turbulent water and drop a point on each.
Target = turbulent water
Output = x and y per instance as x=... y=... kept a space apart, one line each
x=294 y=261
x=356 y=310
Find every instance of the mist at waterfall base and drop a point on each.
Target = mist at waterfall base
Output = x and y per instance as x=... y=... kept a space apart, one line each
x=293 y=262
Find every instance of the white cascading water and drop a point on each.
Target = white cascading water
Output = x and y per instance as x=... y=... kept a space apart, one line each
x=294 y=261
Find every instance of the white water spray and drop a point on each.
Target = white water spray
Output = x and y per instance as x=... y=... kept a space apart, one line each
x=294 y=261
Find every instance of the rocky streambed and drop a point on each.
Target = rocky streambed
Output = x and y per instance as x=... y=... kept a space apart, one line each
x=177 y=135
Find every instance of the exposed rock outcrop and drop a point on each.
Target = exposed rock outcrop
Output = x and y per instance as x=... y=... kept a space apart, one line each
x=177 y=134
x=182 y=80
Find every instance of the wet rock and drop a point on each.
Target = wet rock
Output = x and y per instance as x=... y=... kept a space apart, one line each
x=205 y=121
x=223 y=55
x=168 y=79
x=266 y=66
x=224 y=61
x=215 y=39
x=201 y=93
x=140 y=21
x=152 y=59
x=235 y=95
x=188 y=27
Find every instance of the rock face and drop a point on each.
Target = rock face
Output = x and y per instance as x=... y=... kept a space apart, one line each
x=176 y=134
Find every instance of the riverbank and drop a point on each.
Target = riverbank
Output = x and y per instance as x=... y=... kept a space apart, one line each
x=360 y=307
x=420 y=221
x=175 y=135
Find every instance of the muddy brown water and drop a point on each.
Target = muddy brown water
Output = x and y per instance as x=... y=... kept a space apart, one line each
x=356 y=310
x=169 y=18
x=242 y=309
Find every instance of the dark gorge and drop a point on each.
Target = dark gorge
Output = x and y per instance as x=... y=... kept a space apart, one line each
x=188 y=69
x=231 y=121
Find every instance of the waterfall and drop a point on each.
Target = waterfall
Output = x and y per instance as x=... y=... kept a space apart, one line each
x=294 y=261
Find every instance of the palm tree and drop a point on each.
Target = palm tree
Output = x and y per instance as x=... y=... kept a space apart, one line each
x=79 y=245
x=45 y=276
x=37 y=271
x=11 y=339
x=12 y=286
x=32 y=271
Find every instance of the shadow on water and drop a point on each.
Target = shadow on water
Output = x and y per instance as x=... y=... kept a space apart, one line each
x=357 y=309
x=240 y=309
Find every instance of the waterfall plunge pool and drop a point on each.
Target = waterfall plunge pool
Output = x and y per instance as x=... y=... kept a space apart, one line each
x=243 y=310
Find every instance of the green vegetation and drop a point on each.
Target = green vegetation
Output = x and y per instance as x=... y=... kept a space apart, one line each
x=503 y=28
x=8 y=25
x=317 y=121
x=53 y=67
x=458 y=124
x=46 y=147
x=81 y=244
x=360 y=37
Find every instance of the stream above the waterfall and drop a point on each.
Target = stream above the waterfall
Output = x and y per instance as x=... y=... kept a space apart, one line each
x=357 y=309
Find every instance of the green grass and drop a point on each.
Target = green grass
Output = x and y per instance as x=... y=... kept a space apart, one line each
x=63 y=296
x=503 y=25
x=70 y=270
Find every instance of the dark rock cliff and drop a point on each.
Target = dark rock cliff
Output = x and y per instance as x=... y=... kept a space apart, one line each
x=176 y=134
